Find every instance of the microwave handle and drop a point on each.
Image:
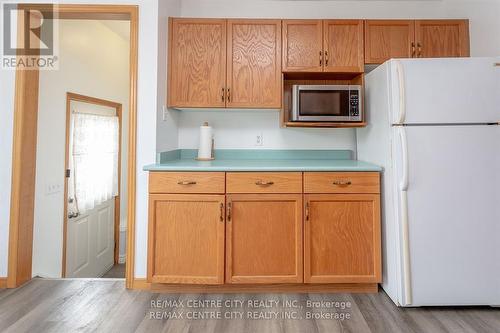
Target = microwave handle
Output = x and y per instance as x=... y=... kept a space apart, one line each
x=295 y=102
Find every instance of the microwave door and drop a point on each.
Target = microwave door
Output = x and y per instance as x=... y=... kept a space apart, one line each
x=322 y=103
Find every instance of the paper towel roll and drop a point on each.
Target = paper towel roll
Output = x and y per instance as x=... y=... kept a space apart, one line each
x=205 y=146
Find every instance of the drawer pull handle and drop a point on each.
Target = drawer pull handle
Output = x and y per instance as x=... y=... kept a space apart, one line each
x=221 y=212
x=261 y=183
x=186 y=182
x=342 y=182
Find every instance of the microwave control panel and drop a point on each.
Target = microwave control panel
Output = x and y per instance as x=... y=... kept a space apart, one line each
x=354 y=103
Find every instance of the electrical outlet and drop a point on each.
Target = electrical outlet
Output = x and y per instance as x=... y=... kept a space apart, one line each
x=52 y=188
x=164 y=111
x=259 y=139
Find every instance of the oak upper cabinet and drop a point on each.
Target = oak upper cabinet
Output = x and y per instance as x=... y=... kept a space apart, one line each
x=442 y=38
x=343 y=46
x=323 y=46
x=197 y=62
x=342 y=227
x=386 y=39
x=302 y=46
x=186 y=238
x=253 y=63
x=264 y=238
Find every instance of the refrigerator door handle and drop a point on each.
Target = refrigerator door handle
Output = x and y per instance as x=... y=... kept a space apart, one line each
x=401 y=85
x=404 y=157
x=405 y=246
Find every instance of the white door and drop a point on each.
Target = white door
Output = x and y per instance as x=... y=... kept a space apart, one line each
x=92 y=189
x=453 y=210
x=445 y=90
x=90 y=242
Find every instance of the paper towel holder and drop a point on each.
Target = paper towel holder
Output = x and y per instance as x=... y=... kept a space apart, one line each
x=211 y=158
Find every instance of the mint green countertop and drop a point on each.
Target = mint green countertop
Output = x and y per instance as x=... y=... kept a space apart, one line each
x=261 y=160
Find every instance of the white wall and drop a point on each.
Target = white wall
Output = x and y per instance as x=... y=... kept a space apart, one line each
x=166 y=125
x=93 y=61
x=146 y=131
x=238 y=130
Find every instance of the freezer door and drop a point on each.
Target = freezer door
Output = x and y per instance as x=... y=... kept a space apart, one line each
x=446 y=90
x=453 y=211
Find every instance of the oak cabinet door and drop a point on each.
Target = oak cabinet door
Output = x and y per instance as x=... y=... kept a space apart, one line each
x=442 y=38
x=386 y=39
x=253 y=63
x=343 y=46
x=264 y=238
x=302 y=46
x=186 y=239
x=342 y=238
x=197 y=63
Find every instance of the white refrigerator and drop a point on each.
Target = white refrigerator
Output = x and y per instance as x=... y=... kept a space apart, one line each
x=433 y=124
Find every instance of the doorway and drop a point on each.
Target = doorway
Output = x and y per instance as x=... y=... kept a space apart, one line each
x=92 y=188
x=24 y=147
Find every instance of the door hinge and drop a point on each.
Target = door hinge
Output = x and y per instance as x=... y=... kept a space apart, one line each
x=68 y=173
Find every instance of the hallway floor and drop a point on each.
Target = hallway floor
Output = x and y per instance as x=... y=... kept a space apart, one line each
x=44 y=305
x=116 y=272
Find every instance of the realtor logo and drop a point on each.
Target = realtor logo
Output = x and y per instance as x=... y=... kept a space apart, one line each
x=29 y=36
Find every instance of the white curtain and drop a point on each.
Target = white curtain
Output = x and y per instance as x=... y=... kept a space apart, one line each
x=94 y=160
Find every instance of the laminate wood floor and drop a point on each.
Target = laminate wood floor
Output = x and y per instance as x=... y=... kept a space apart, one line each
x=116 y=272
x=44 y=305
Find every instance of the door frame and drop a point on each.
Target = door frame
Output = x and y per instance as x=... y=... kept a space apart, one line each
x=116 y=223
x=21 y=220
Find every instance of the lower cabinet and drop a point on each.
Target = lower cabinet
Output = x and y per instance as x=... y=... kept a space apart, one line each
x=186 y=238
x=256 y=228
x=342 y=238
x=264 y=238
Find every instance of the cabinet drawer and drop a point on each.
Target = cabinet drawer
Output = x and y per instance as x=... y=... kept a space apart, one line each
x=186 y=182
x=341 y=182
x=264 y=182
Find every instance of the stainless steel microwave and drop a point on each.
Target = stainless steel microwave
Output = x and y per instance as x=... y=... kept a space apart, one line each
x=331 y=103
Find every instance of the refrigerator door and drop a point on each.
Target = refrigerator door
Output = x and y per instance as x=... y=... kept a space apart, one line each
x=452 y=206
x=446 y=90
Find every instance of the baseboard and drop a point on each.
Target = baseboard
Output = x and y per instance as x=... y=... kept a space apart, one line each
x=142 y=284
x=3 y=282
x=122 y=258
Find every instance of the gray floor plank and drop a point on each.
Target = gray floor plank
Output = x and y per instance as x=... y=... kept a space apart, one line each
x=45 y=305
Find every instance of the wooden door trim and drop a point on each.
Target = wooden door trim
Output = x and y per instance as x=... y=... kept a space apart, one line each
x=153 y=198
x=116 y=224
x=298 y=278
x=284 y=39
x=360 y=46
x=229 y=62
x=377 y=250
x=18 y=238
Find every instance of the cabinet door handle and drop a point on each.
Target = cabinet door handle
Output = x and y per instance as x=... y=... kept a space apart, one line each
x=307 y=211
x=221 y=212
x=229 y=206
x=186 y=182
x=419 y=46
x=342 y=182
x=228 y=95
x=320 y=58
x=326 y=58
x=261 y=183
x=413 y=49
x=496 y=64
x=222 y=95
